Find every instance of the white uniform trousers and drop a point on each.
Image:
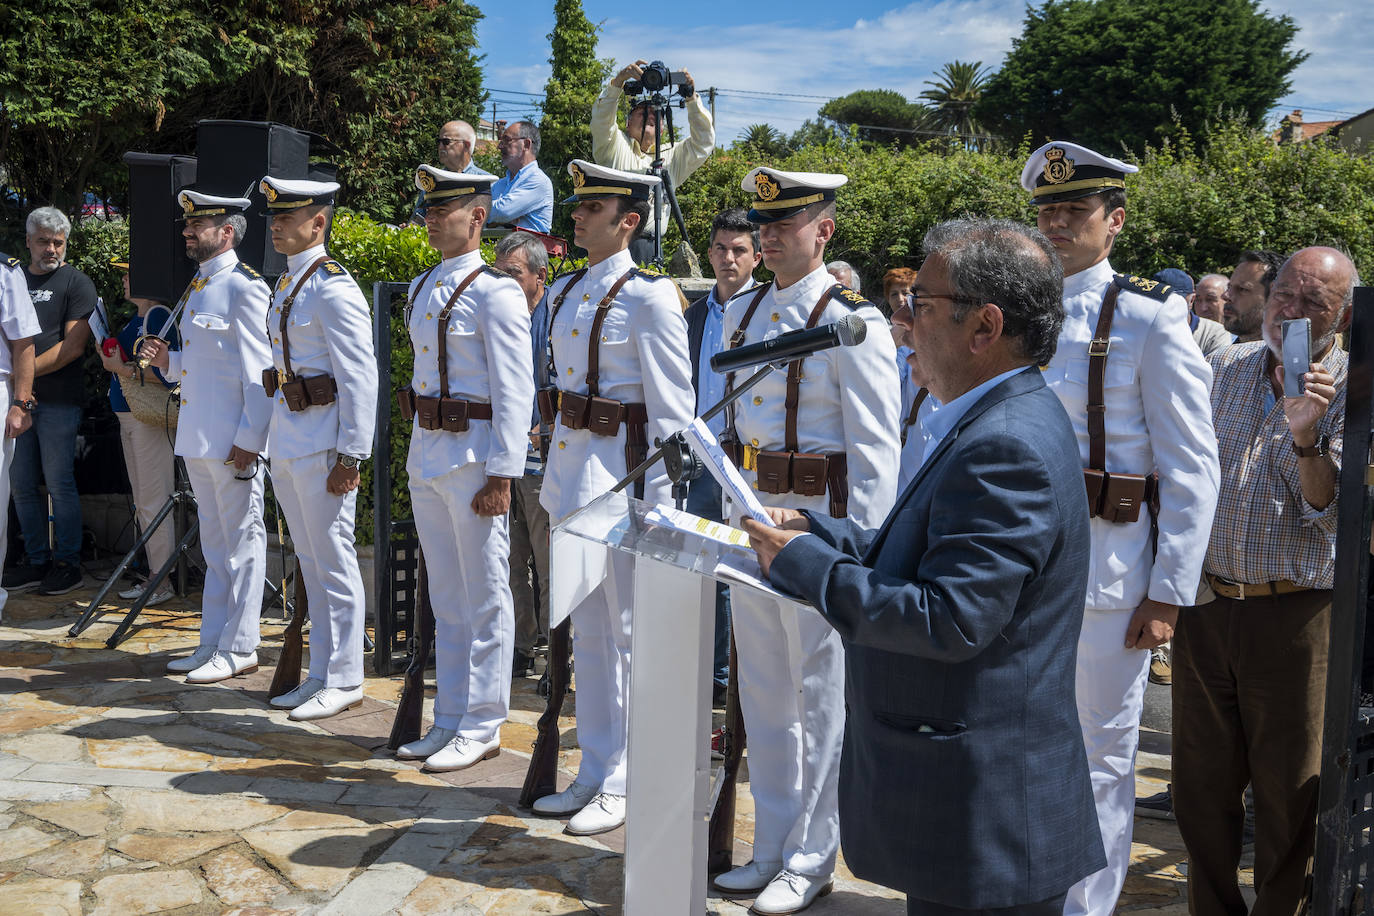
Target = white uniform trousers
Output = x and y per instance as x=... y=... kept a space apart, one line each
x=792 y=696
x=322 y=534
x=469 y=589
x=601 y=650
x=233 y=538
x=150 y=464
x=1111 y=695
x=6 y=456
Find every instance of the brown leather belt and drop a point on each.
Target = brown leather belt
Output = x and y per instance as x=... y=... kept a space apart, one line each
x=1241 y=591
x=449 y=414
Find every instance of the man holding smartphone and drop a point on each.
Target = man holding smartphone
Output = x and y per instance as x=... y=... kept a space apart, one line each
x=1250 y=665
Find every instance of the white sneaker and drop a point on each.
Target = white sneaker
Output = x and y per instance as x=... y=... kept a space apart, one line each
x=431 y=743
x=571 y=800
x=290 y=700
x=222 y=666
x=461 y=753
x=192 y=661
x=747 y=878
x=328 y=702
x=164 y=593
x=132 y=592
x=791 y=892
x=605 y=812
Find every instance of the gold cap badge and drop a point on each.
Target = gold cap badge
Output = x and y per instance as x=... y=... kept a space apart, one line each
x=425 y=180
x=578 y=176
x=765 y=187
x=268 y=191
x=1058 y=169
x=186 y=204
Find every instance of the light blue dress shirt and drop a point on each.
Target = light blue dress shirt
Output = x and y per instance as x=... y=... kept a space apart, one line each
x=525 y=199
x=939 y=423
x=711 y=384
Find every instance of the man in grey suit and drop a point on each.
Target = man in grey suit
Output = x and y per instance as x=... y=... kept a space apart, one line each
x=964 y=781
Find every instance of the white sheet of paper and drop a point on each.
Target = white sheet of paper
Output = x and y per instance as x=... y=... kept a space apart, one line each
x=704 y=444
x=99 y=322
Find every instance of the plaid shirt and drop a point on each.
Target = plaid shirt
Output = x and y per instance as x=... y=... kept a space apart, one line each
x=1264 y=530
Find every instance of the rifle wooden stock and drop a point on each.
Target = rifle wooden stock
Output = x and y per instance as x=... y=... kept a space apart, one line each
x=720 y=832
x=542 y=777
x=410 y=711
x=287 y=677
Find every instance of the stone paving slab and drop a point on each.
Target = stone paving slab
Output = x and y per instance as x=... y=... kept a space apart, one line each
x=125 y=790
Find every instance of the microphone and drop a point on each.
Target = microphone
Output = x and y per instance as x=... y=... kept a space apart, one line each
x=848 y=331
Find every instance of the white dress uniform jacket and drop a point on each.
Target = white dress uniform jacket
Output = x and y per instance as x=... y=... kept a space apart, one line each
x=791 y=664
x=331 y=334
x=488 y=344
x=643 y=359
x=1157 y=389
x=17 y=321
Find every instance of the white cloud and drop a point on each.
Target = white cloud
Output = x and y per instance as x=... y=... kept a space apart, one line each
x=1339 y=74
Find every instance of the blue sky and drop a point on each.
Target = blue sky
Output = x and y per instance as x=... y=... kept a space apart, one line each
x=753 y=52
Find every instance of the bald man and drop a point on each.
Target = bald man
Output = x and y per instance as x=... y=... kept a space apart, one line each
x=1207 y=296
x=456 y=142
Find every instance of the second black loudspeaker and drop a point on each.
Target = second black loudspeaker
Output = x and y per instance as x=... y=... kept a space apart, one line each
x=158 y=266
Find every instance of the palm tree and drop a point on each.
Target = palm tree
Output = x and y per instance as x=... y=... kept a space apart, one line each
x=958 y=87
x=763 y=137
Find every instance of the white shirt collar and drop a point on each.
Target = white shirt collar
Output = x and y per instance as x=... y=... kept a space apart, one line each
x=223 y=259
x=939 y=423
x=1092 y=278
x=464 y=262
x=808 y=286
x=616 y=264
x=295 y=263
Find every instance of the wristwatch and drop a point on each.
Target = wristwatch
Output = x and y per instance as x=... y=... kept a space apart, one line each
x=1319 y=450
x=26 y=405
x=350 y=461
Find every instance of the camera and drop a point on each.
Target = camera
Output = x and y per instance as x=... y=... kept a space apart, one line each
x=656 y=78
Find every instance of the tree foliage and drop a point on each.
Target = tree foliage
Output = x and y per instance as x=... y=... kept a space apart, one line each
x=84 y=80
x=879 y=116
x=765 y=138
x=1117 y=74
x=952 y=96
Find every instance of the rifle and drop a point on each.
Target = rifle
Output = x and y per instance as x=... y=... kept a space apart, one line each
x=410 y=711
x=720 y=833
x=287 y=677
x=542 y=777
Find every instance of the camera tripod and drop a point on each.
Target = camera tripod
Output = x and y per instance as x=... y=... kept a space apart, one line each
x=663 y=112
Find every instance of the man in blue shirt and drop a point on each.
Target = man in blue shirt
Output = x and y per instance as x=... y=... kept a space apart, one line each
x=524 y=195
x=734 y=254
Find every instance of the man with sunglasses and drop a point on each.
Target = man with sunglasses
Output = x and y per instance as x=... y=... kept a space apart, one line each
x=222 y=429
x=456 y=142
x=522 y=197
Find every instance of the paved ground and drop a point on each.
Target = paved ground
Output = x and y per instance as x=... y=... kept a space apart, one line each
x=126 y=791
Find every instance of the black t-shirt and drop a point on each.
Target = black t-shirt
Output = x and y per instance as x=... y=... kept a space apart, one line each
x=59 y=297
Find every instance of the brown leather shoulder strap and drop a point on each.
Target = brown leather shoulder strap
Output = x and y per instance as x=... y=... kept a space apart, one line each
x=1098 y=349
x=286 y=313
x=557 y=304
x=443 y=328
x=594 y=345
x=916 y=403
x=794 y=376
x=736 y=339
x=410 y=302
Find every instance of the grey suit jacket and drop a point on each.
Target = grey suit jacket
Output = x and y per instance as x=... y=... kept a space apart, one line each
x=964 y=780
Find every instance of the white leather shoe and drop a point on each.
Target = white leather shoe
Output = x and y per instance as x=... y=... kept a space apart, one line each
x=604 y=812
x=791 y=892
x=747 y=878
x=222 y=666
x=293 y=698
x=431 y=743
x=571 y=800
x=461 y=753
x=327 y=702
x=192 y=661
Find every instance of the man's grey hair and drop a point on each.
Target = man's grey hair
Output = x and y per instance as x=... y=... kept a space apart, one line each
x=1010 y=265
x=1205 y=277
x=849 y=269
x=464 y=131
x=536 y=255
x=49 y=219
x=237 y=222
x=527 y=131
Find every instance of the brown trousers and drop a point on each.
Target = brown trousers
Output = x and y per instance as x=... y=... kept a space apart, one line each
x=1249 y=693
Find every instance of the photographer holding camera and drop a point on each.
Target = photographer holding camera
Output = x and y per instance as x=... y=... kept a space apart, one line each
x=633 y=149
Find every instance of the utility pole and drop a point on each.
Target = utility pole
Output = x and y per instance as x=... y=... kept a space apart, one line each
x=711 y=100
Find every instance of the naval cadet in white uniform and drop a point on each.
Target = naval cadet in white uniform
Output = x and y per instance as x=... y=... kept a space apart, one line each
x=223 y=429
x=470 y=398
x=1157 y=418
x=836 y=452
x=323 y=387
x=631 y=323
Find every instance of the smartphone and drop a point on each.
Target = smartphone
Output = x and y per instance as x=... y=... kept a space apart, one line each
x=1297 y=355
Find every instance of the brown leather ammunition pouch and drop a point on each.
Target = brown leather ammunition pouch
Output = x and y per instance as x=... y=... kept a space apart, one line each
x=405 y=403
x=427 y=413
x=774 y=470
x=806 y=474
x=1121 y=496
x=1094 y=481
x=269 y=380
x=730 y=445
x=636 y=437
x=603 y=416
x=455 y=413
x=294 y=392
x=809 y=474
x=320 y=390
x=573 y=409
x=547 y=399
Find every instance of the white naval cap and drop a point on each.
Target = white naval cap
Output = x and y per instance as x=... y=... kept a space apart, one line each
x=779 y=194
x=198 y=203
x=1060 y=171
x=289 y=194
x=439 y=185
x=592 y=181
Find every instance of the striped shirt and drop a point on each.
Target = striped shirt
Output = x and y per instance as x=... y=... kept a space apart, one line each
x=1264 y=530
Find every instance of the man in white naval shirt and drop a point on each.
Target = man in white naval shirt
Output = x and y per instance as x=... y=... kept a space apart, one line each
x=835 y=451
x=624 y=375
x=470 y=397
x=323 y=384
x=223 y=430
x=1155 y=418
x=18 y=327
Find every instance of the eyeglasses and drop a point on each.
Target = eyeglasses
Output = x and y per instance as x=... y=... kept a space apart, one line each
x=507 y=141
x=446 y=142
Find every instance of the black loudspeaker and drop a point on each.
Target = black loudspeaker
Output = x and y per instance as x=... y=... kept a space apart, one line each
x=158 y=266
x=234 y=155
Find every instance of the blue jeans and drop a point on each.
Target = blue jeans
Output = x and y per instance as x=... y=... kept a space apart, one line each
x=47 y=452
x=703 y=500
